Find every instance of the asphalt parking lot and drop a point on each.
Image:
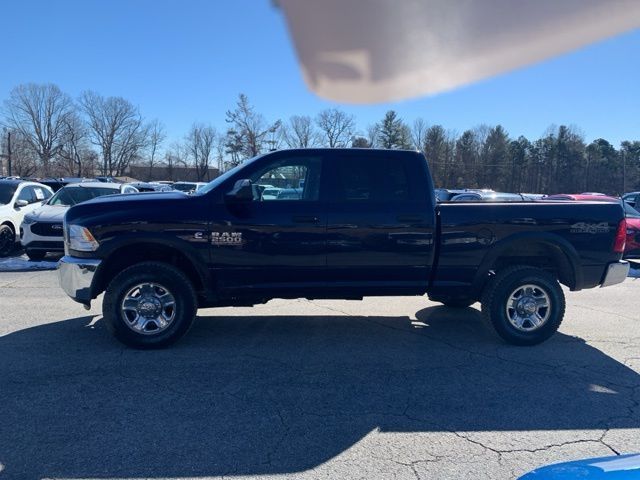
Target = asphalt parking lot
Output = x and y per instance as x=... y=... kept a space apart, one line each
x=384 y=388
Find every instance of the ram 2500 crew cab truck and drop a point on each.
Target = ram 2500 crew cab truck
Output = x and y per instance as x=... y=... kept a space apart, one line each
x=354 y=223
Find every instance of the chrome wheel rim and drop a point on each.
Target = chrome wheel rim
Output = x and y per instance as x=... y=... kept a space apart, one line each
x=148 y=308
x=528 y=307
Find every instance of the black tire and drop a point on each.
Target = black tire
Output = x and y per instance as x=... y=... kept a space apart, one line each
x=7 y=240
x=36 y=255
x=163 y=277
x=457 y=302
x=498 y=292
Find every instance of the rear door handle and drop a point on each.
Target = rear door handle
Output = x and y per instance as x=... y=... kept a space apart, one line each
x=410 y=218
x=305 y=219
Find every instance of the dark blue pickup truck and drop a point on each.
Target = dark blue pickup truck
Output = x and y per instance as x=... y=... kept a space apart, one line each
x=353 y=223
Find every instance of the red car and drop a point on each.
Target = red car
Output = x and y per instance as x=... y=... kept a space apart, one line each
x=582 y=197
x=632 y=247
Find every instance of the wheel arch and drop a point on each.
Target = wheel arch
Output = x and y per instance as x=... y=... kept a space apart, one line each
x=11 y=225
x=542 y=250
x=177 y=253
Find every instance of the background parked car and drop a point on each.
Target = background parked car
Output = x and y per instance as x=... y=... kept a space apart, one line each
x=632 y=199
x=533 y=196
x=41 y=230
x=632 y=248
x=582 y=197
x=17 y=199
x=57 y=183
x=188 y=187
x=151 y=187
x=481 y=196
x=444 y=194
x=270 y=193
x=289 y=194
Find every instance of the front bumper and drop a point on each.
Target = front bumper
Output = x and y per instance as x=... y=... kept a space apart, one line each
x=616 y=273
x=47 y=234
x=56 y=247
x=76 y=276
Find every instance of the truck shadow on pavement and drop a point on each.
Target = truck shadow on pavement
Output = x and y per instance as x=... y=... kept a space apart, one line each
x=283 y=394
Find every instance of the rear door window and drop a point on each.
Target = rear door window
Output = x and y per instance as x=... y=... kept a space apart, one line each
x=375 y=179
x=355 y=181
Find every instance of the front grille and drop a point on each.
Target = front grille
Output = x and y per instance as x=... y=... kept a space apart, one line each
x=49 y=246
x=47 y=229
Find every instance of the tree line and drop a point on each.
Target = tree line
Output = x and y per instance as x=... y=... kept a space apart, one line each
x=48 y=133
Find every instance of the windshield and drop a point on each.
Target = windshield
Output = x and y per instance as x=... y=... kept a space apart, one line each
x=69 y=196
x=222 y=178
x=184 y=187
x=629 y=211
x=6 y=193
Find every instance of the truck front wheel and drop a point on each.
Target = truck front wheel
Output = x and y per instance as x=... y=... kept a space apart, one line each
x=524 y=304
x=149 y=305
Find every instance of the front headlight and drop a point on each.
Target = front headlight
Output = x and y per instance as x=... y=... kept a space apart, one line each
x=28 y=220
x=80 y=239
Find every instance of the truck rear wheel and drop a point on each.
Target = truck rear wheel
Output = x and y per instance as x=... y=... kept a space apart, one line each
x=524 y=304
x=149 y=305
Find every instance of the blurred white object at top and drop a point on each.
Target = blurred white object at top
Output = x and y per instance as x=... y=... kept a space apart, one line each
x=365 y=51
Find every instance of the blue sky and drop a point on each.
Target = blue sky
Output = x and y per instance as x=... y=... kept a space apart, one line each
x=185 y=61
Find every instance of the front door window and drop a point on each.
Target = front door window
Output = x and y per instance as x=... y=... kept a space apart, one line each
x=290 y=179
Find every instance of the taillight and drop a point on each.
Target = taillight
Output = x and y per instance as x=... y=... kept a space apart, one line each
x=621 y=237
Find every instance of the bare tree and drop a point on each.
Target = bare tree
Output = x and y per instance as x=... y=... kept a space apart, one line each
x=299 y=132
x=116 y=127
x=200 y=143
x=39 y=113
x=373 y=132
x=419 y=133
x=233 y=147
x=75 y=151
x=220 y=151
x=23 y=159
x=175 y=157
x=157 y=135
x=249 y=128
x=337 y=127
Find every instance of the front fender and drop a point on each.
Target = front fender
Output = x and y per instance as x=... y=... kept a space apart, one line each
x=141 y=246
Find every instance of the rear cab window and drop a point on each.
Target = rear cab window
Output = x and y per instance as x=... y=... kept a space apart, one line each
x=375 y=179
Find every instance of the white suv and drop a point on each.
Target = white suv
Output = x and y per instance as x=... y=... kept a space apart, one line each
x=17 y=199
x=41 y=230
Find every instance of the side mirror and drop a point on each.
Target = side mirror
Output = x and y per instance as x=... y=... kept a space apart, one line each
x=21 y=203
x=242 y=191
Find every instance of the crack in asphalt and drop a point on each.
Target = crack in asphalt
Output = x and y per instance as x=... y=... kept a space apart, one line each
x=500 y=452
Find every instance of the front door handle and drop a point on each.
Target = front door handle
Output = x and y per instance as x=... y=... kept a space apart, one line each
x=410 y=218
x=305 y=219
